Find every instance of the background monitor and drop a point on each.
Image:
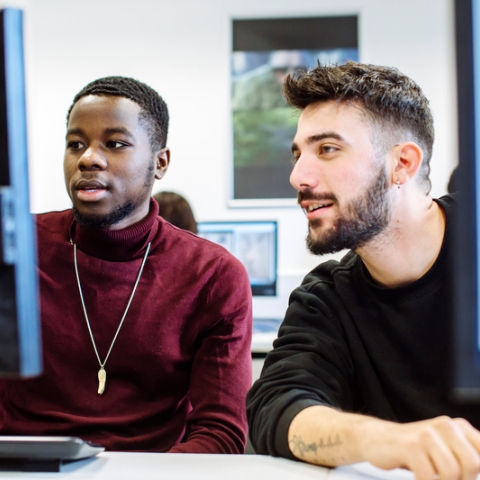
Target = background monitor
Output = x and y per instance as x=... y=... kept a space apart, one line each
x=20 y=352
x=466 y=378
x=254 y=244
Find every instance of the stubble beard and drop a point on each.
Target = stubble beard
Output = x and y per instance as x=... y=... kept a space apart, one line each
x=113 y=217
x=118 y=213
x=367 y=216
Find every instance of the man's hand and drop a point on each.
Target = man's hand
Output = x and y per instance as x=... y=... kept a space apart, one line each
x=444 y=448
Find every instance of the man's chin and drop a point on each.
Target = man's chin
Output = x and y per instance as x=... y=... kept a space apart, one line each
x=345 y=235
x=322 y=240
x=322 y=244
x=105 y=220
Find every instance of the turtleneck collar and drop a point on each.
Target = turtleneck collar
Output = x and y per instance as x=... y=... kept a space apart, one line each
x=117 y=245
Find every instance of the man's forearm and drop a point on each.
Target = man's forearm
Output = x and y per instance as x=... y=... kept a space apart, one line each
x=449 y=448
x=325 y=436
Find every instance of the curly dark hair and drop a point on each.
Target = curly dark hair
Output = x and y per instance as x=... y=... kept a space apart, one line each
x=154 y=111
x=393 y=102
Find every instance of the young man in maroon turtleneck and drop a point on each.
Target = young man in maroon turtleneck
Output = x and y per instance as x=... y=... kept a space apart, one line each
x=146 y=328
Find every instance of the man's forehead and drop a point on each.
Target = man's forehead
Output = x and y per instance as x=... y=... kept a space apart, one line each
x=341 y=118
x=115 y=110
x=108 y=103
x=332 y=115
x=332 y=109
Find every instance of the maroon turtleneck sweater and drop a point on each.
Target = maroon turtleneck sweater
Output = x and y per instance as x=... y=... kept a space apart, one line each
x=180 y=368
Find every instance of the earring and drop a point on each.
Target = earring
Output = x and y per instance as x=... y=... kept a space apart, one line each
x=398 y=184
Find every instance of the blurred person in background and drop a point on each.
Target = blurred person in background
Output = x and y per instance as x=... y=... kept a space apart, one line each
x=175 y=209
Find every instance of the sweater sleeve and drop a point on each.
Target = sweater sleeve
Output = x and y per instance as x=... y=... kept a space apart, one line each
x=221 y=373
x=309 y=365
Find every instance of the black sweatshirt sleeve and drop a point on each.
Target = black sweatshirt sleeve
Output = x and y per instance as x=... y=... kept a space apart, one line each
x=309 y=365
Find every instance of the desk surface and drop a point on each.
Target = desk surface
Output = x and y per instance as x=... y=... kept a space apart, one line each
x=265 y=331
x=171 y=466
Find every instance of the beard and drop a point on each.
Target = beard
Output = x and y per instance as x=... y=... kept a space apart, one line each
x=104 y=221
x=118 y=213
x=366 y=216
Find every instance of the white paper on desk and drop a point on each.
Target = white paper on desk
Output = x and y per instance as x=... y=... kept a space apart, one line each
x=366 y=470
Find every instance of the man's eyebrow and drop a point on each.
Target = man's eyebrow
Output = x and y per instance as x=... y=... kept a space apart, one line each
x=74 y=131
x=121 y=130
x=317 y=138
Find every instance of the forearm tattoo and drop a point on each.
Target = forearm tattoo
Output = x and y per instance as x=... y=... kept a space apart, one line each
x=300 y=449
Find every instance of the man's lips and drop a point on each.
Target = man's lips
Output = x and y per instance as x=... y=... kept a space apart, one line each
x=315 y=205
x=90 y=185
x=316 y=209
x=311 y=207
x=90 y=190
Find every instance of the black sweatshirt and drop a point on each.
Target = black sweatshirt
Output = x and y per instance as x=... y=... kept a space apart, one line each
x=350 y=344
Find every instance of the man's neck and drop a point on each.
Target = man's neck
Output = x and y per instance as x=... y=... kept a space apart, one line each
x=118 y=245
x=409 y=246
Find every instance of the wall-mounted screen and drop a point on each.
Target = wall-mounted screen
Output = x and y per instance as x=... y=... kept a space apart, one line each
x=265 y=51
x=254 y=244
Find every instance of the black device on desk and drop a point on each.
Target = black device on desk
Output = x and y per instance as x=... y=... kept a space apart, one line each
x=43 y=454
x=20 y=347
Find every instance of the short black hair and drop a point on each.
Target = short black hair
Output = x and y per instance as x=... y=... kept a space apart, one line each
x=393 y=101
x=154 y=111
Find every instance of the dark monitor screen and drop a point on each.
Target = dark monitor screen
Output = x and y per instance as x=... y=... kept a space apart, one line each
x=20 y=352
x=466 y=380
x=254 y=244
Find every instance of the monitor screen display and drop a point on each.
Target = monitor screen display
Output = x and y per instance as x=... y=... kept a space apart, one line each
x=20 y=349
x=254 y=244
x=466 y=359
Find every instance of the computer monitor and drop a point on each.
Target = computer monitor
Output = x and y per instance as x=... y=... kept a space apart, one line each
x=466 y=359
x=20 y=352
x=254 y=244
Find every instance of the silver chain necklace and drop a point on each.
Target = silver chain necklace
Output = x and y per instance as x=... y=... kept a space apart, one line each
x=102 y=374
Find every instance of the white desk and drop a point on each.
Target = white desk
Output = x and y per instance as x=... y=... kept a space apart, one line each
x=265 y=331
x=171 y=466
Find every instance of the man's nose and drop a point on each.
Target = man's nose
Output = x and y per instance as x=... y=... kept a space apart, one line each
x=305 y=173
x=92 y=159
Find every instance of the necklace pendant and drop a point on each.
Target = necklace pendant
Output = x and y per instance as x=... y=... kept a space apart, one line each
x=102 y=374
x=102 y=379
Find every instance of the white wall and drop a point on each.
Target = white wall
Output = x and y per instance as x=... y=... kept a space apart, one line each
x=181 y=48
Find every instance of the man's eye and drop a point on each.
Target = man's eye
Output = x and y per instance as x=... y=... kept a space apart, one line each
x=74 y=145
x=327 y=149
x=114 y=144
x=294 y=159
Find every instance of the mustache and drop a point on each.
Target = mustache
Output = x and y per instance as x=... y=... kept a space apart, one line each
x=309 y=195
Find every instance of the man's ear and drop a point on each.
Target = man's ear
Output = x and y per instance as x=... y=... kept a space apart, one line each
x=408 y=158
x=162 y=161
